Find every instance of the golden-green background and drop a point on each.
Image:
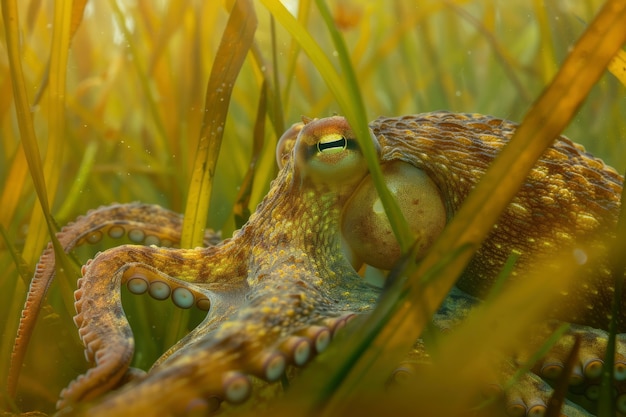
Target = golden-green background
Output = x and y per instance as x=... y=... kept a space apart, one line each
x=134 y=104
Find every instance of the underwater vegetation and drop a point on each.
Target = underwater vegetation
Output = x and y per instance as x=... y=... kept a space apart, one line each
x=122 y=101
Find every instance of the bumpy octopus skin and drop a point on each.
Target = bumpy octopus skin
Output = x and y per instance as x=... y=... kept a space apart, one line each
x=283 y=284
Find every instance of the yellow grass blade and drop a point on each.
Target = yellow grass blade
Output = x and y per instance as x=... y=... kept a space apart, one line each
x=236 y=42
x=41 y=221
x=22 y=107
x=10 y=198
x=617 y=66
x=241 y=210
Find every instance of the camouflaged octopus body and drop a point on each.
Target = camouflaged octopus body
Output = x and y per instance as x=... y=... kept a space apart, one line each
x=568 y=197
x=277 y=290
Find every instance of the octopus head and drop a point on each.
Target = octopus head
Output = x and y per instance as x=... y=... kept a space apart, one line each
x=326 y=151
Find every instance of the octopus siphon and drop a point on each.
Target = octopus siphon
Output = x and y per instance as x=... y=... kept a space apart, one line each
x=278 y=290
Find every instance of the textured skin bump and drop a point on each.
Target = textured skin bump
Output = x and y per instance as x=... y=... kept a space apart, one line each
x=281 y=287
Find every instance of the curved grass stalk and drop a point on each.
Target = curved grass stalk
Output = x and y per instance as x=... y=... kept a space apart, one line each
x=234 y=46
x=143 y=78
x=606 y=407
x=40 y=219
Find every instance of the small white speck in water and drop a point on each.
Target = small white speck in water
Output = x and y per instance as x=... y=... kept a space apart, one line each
x=580 y=256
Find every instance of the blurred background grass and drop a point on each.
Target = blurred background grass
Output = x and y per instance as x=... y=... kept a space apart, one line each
x=134 y=108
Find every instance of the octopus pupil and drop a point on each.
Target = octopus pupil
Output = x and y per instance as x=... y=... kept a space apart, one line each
x=341 y=143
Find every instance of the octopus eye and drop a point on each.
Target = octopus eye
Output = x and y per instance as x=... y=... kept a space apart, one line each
x=327 y=152
x=332 y=143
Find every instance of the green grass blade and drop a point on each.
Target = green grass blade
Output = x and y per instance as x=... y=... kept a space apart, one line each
x=606 y=402
x=144 y=79
x=277 y=102
x=236 y=41
x=241 y=210
x=50 y=170
x=84 y=170
x=357 y=117
x=304 y=7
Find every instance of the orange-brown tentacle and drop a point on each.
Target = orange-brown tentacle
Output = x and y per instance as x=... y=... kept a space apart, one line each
x=141 y=223
x=100 y=318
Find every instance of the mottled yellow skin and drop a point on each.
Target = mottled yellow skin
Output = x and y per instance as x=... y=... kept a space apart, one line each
x=569 y=196
x=280 y=287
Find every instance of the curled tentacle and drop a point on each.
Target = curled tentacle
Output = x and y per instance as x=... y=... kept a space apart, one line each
x=103 y=327
x=142 y=223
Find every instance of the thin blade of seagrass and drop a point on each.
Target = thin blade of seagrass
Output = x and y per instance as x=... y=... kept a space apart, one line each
x=236 y=41
x=16 y=177
x=77 y=12
x=606 y=402
x=86 y=165
x=41 y=223
x=499 y=52
x=545 y=120
x=357 y=117
x=231 y=53
x=10 y=196
x=304 y=7
x=548 y=62
x=144 y=78
x=276 y=109
x=557 y=399
x=241 y=210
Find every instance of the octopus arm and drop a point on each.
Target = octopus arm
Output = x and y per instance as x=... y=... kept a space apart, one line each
x=102 y=324
x=141 y=223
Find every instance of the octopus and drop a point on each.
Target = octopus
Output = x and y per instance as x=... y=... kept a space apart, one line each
x=278 y=291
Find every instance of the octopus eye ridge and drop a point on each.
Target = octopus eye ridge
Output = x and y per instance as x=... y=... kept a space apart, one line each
x=337 y=145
